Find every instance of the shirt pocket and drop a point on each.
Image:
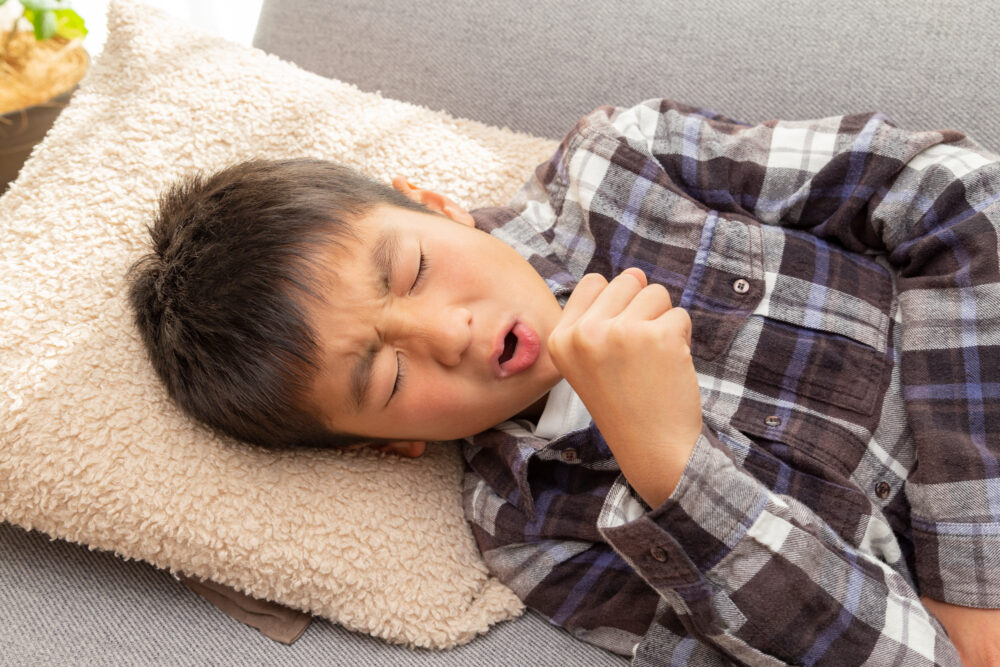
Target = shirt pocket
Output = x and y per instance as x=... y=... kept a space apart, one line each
x=825 y=325
x=723 y=284
x=790 y=472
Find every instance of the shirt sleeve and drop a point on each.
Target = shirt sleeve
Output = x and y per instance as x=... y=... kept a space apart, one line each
x=558 y=564
x=761 y=579
x=757 y=575
x=929 y=202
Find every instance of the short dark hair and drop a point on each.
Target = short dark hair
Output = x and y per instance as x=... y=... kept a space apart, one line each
x=219 y=300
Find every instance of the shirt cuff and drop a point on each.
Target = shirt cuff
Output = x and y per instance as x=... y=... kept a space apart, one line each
x=957 y=560
x=709 y=511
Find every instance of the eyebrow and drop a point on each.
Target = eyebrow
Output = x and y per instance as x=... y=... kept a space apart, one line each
x=361 y=378
x=383 y=255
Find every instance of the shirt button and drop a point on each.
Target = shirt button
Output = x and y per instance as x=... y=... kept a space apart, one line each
x=882 y=489
x=741 y=286
x=568 y=455
x=659 y=554
x=773 y=420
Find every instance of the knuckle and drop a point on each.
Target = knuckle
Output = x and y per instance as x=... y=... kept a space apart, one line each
x=618 y=331
x=677 y=322
x=586 y=333
x=558 y=342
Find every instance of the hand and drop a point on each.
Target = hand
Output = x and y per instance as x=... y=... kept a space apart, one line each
x=411 y=449
x=974 y=632
x=626 y=351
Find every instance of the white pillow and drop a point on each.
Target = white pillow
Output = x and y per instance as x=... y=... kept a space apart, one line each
x=92 y=451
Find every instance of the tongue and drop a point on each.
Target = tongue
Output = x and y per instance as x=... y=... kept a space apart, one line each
x=509 y=345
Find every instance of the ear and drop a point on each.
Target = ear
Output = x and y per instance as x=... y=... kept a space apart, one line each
x=434 y=201
x=412 y=449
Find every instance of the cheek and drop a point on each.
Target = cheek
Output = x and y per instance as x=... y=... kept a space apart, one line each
x=439 y=393
x=459 y=406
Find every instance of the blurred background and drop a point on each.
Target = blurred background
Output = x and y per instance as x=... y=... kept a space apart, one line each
x=37 y=77
x=234 y=20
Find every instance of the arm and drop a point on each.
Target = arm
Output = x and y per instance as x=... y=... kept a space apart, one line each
x=646 y=402
x=625 y=350
x=931 y=203
x=556 y=562
x=849 y=184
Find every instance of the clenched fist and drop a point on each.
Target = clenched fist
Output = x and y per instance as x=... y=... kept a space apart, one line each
x=626 y=351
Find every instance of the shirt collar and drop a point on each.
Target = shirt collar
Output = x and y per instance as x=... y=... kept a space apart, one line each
x=532 y=243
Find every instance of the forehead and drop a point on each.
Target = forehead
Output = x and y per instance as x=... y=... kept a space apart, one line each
x=350 y=289
x=345 y=284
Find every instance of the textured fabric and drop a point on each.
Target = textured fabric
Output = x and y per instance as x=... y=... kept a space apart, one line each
x=64 y=604
x=564 y=412
x=841 y=277
x=537 y=67
x=91 y=449
x=280 y=623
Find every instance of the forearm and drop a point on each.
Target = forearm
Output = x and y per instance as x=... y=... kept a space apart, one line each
x=757 y=574
x=626 y=351
x=653 y=466
x=929 y=203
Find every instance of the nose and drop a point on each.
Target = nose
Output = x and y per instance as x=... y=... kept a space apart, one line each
x=444 y=334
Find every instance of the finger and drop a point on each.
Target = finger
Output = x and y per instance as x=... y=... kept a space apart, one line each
x=677 y=320
x=617 y=295
x=651 y=302
x=411 y=449
x=584 y=294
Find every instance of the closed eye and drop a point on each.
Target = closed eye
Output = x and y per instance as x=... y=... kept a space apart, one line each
x=421 y=270
x=399 y=377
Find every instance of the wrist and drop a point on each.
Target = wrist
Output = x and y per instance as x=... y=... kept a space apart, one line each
x=655 y=469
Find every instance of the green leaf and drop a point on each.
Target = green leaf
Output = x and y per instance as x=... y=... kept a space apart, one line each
x=3 y=2
x=63 y=22
x=44 y=22
x=45 y=5
x=70 y=25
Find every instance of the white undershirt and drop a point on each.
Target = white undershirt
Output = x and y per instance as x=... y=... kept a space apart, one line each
x=564 y=412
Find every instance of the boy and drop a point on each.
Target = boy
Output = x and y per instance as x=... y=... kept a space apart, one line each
x=742 y=375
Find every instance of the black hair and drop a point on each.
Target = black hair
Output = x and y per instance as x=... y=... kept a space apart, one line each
x=219 y=300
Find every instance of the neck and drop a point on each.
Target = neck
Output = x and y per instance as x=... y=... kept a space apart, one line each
x=534 y=411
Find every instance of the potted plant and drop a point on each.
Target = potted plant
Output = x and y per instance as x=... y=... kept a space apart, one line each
x=41 y=61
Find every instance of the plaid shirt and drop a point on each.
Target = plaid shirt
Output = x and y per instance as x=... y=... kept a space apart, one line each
x=841 y=277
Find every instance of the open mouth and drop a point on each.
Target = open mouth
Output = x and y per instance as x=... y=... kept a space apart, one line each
x=521 y=348
x=509 y=345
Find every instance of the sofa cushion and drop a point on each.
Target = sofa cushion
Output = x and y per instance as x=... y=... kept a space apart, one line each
x=76 y=608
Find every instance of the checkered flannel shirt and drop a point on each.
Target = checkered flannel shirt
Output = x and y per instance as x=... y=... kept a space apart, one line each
x=841 y=277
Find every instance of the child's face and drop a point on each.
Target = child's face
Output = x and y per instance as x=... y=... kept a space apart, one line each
x=445 y=356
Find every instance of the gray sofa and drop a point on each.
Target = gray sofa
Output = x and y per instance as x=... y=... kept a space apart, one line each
x=533 y=67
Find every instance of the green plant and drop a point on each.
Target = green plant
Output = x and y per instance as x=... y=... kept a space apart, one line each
x=50 y=18
x=38 y=64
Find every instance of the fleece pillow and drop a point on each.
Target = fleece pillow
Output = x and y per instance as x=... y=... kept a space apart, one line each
x=91 y=449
